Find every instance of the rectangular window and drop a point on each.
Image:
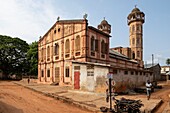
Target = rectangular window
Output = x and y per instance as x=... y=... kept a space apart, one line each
x=77 y=53
x=136 y=73
x=76 y=67
x=140 y=73
x=92 y=53
x=67 y=55
x=48 y=73
x=90 y=70
x=126 y=72
x=42 y=73
x=90 y=67
x=132 y=73
x=102 y=56
x=67 y=71
x=90 y=73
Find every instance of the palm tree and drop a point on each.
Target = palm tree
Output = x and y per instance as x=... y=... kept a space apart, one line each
x=168 y=61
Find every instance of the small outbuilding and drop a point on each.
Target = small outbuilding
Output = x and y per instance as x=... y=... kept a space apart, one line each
x=156 y=69
x=168 y=77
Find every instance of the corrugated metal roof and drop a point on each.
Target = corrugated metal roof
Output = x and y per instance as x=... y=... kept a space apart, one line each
x=150 y=65
x=115 y=54
x=112 y=52
x=97 y=64
x=168 y=73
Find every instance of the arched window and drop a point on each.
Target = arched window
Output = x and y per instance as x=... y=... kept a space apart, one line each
x=92 y=43
x=133 y=55
x=133 y=41
x=56 y=49
x=102 y=47
x=137 y=40
x=77 y=43
x=42 y=53
x=67 y=46
x=133 y=28
x=137 y=27
x=48 y=51
x=138 y=54
x=48 y=72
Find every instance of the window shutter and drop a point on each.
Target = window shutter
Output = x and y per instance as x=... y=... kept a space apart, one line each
x=106 y=48
x=96 y=45
x=103 y=47
x=91 y=43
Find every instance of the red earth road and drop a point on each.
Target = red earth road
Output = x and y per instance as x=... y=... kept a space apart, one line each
x=17 y=99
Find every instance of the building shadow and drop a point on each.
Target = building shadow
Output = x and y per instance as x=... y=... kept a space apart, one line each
x=6 y=108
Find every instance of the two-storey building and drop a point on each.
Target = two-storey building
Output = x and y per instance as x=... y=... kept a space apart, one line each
x=76 y=54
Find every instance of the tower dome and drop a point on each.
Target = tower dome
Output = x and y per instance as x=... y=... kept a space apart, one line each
x=135 y=10
x=136 y=15
x=104 y=22
x=105 y=26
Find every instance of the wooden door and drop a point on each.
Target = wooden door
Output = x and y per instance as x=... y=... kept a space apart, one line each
x=57 y=75
x=76 y=80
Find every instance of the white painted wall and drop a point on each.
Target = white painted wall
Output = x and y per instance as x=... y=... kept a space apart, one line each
x=84 y=83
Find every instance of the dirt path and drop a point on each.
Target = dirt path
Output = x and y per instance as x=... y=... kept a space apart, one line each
x=17 y=99
x=162 y=94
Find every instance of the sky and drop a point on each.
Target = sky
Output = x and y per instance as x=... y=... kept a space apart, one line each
x=30 y=19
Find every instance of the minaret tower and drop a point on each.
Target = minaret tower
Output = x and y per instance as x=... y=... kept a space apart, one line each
x=135 y=22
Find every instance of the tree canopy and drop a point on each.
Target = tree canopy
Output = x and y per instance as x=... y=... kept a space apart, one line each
x=168 y=61
x=13 y=53
x=32 y=57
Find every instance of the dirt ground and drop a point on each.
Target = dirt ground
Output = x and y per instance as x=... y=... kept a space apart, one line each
x=164 y=95
x=17 y=99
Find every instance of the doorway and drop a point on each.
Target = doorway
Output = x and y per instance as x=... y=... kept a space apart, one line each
x=76 y=80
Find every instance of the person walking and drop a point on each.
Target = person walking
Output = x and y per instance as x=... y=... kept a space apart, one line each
x=28 y=79
x=148 y=89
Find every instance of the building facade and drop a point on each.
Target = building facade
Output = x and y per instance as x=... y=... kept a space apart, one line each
x=76 y=54
x=156 y=68
x=165 y=72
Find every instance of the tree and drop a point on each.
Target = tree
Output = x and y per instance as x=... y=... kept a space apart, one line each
x=32 y=57
x=12 y=55
x=168 y=61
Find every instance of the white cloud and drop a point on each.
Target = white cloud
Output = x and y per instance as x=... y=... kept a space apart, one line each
x=27 y=19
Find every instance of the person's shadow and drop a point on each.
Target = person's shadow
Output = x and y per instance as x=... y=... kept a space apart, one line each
x=6 y=108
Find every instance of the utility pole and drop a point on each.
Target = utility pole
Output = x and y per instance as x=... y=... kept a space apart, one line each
x=152 y=60
x=146 y=64
x=110 y=91
x=152 y=67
